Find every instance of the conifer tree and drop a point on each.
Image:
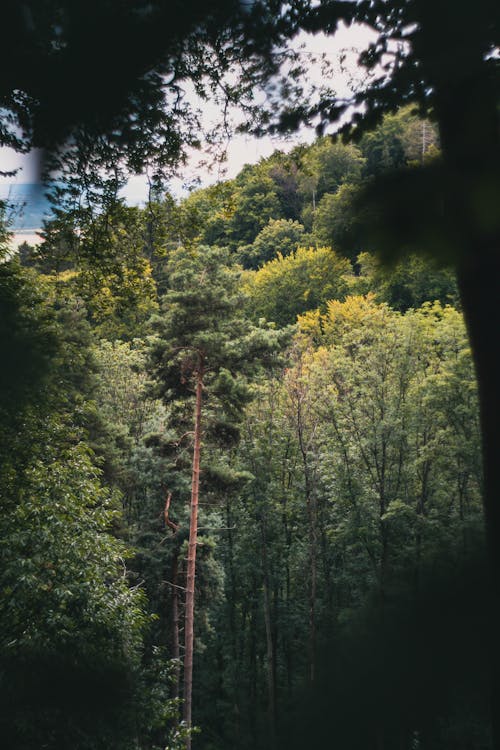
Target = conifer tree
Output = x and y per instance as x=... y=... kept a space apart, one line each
x=205 y=349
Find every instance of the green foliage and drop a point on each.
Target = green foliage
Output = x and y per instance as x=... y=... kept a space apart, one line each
x=70 y=623
x=118 y=291
x=284 y=170
x=304 y=280
x=384 y=373
x=408 y=283
x=358 y=475
x=326 y=166
x=55 y=602
x=27 y=338
x=72 y=626
x=278 y=237
x=204 y=215
x=125 y=415
x=256 y=214
x=336 y=221
x=203 y=317
x=121 y=386
x=334 y=477
x=255 y=203
x=400 y=138
x=365 y=480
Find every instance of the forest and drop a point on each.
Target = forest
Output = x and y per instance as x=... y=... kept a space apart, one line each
x=249 y=473
x=338 y=589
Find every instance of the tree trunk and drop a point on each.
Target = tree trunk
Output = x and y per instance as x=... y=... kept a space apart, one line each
x=253 y=665
x=466 y=108
x=311 y=509
x=231 y=598
x=472 y=163
x=175 y=626
x=479 y=294
x=312 y=524
x=174 y=599
x=191 y=560
x=270 y=644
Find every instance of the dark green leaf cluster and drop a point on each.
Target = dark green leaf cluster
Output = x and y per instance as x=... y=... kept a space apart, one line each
x=72 y=625
x=203 y=328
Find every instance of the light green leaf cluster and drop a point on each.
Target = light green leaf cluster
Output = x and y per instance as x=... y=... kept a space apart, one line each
x=303 y=280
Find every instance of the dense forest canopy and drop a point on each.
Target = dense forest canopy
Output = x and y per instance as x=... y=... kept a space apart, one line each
x=244 y=460
x=339 y=482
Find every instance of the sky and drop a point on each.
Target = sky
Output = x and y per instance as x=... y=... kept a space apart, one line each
x=242 y=149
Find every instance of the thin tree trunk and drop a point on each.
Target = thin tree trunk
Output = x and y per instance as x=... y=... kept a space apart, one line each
x=287 y=647
x=191 y=560
x=270 y=645
x=311 y=508
x=232 y=583
x=175 y=599
x=253 y=666
x=175 y=626
x=421 y=511
x=231 y=597
x=313 y=542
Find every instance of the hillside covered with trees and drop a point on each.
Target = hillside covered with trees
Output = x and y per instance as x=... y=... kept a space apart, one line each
x=241 y=472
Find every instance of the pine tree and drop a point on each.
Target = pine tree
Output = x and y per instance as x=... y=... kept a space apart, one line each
x=205 y=349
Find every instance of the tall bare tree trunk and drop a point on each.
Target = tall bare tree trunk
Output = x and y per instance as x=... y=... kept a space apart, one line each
x=191 y=560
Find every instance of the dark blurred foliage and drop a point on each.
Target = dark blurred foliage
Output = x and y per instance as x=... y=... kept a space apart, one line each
x=64 y=700
x=104 y=81
x=412 y=673
x=28 y=338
